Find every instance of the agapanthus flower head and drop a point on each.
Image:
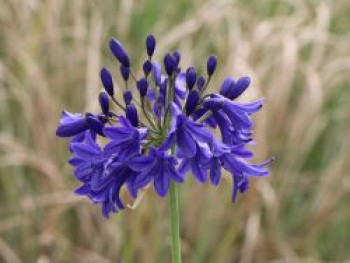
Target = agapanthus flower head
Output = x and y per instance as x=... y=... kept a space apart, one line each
x=163 y=131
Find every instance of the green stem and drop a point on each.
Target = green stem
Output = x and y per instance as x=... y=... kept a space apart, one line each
x=173 y=195
x=174 y=223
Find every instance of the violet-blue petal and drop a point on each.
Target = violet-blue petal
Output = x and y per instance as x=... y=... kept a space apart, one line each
x=71 y=124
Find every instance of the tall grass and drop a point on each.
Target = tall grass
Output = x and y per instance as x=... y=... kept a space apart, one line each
x=298 y=55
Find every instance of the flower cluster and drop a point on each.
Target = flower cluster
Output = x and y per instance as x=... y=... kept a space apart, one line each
x=163 y=130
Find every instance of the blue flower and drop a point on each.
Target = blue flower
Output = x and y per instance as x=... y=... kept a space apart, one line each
x=125 y=140
x=186 y=134
x=233 y=160
x=101 y=174
x=130 y=145
x=158 y=167
x=198 y=163
x=238 y=113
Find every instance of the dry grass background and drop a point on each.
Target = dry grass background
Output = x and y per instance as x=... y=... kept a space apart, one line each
x=298 y=53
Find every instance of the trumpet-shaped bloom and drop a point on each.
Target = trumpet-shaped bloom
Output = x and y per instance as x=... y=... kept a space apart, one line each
x=158 y=167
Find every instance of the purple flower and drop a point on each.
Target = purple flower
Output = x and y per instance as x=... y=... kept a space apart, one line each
x=238 y=113
x=233 y=160
x=198 y=163
x=101 y=174
x=173 y=110
x=186 y=134
x=157 y=166
x=125 y=140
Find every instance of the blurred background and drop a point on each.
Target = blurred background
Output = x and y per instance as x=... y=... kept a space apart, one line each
x=298 y=55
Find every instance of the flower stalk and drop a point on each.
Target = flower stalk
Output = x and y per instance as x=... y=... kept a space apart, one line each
x=174 y=222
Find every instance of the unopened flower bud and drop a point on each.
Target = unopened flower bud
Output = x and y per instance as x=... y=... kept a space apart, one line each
x=107 y=81
x=142 y=86
x=150 y=45
x=125 y=72
x=191 y=77
x=131 y=115
x=119 y=52
x=104 y=102
x=127 y=95
x=211 y=65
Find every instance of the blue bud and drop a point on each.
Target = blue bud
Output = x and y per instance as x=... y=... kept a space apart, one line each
x=107 y=81
x=71 y=124
x=147 y=67
x=104 y=102
x=211 y=65
x=142 y=86
x=200 y=82
x=94 y=123
x=191 y=77
x=177 y=57
x=150 y=45
x=169 y=64
x=119 y=52
x=192 y=100
x=127 y=95
x=239 y=87
x=125 y=72
x=157 y=73
x=131 y=115
x=227 y=86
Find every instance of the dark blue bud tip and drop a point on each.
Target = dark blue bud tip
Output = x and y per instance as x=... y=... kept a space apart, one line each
x=227 y=86
x=150 y=45
x=169 y=64
x=177 y=57
x=127 y=95
x=119 y=52
x=131 y=115
x=191 y=77
x=142 y=86
x=125 y=72
x=192 y=101
x=200 y=82
x=147 y=67
x=104 y=102
x=211 y=65
x=107 y=81
x=238 y=88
